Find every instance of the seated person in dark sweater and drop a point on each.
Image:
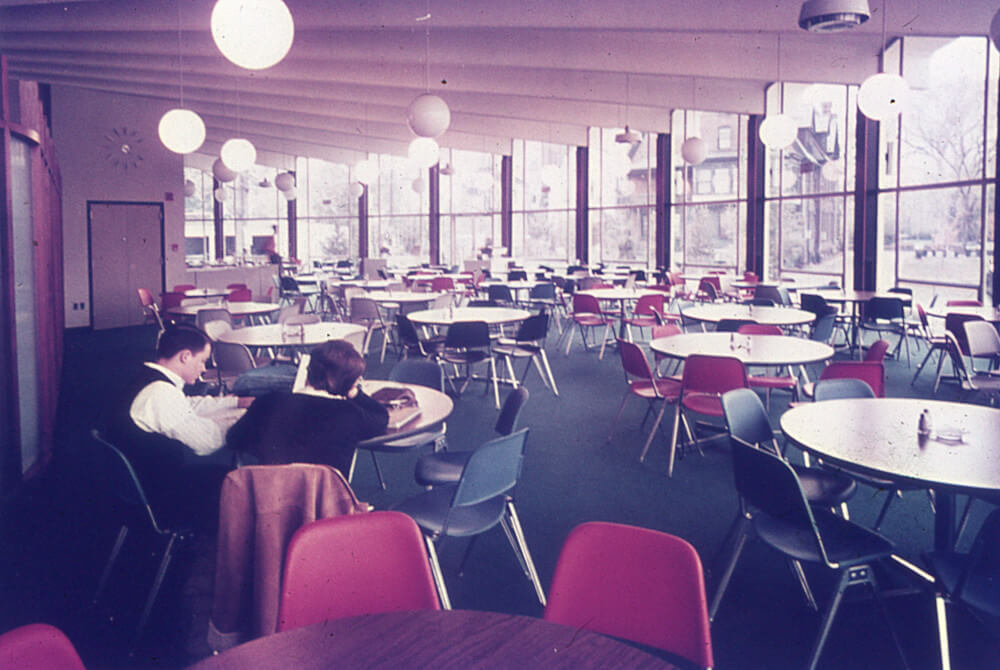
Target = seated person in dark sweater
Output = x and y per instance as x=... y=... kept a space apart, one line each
x=320 y=424
x=168 y=436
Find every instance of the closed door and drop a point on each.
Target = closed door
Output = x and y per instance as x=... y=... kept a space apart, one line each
x=126 y=253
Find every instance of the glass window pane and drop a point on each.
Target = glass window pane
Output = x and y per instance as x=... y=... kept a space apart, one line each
x=812 y=235
x=939 y=233
x=710 y=235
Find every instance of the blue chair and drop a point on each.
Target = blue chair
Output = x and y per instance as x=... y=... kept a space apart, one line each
x=481 y=499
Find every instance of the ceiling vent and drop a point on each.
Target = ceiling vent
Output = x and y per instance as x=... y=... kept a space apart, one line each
x=628 y=137
x=830 y=16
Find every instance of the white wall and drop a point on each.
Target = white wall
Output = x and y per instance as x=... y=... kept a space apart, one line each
x=82 y=122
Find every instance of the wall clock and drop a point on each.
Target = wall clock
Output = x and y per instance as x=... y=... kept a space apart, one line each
x=123 y=148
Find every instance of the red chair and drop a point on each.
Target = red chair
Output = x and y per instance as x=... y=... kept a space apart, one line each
x=149 y=306
x=704 y=380
x=171 y=299
x=871 y=372
x=964 y=303
x=440 y=284
x=876 y=353
x=240 y=295
x=647 y=313
x=634 y=583
x=709 y=288
x=587 y=314
x=38 y=646
x=768 y=382
x=642 y=383
x=180 y=288
x=355 y=564
x=664 y=330
x=235 y=286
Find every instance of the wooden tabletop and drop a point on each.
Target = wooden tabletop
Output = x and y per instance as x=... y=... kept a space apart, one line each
x=272 y=335
x=491 y=315
x=777 y=316
x=236 y=309
x=751 y=349
x=439 y=639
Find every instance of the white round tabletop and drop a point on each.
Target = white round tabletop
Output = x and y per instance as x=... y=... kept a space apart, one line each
x=236 y=309
x=751 y=349
x=273 y=335
x=617 y=293
x=491 y=315
x=777 y=316
x=367 y=284
x=407 y=297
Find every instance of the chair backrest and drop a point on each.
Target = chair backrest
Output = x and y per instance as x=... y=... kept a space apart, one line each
x=533 y=329
x=587 y=283
x=746 y=417
x=767 y=292
x=649 y=304
x=418 y=371
x=499 y=293
x=302 y=319
x=212 y=314
x=544 y=291
x=235 y=285
x=511 y=410
x=845 y=387
x=760 y=329
x=215 y=329
x=980 y=582
x=872 y=372
x=877 y=351
x=954 y=323
x=982 y=337
x=731 y=325
x=171 y=299
x=442 y=284
x=232 y=357
x=146 y=297
x=467 y=335
x=665 y=330
x=762 y=302
x=708 y=288
x=957 y=357
x=364 y=310
x=180 y=288
x=288 y=310
x=634 y=362
x=712 y=280
x=38 y=646
x=713 y=374
x=240 y=295
x=816 y=304
x=116 y=472
x=517 y=275
x=492 y=469
x=355 y=564
x=882 y=308
x=634 y=583
x=585 y=304
x=822 y=330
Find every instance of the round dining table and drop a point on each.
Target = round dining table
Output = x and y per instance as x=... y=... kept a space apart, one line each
x=493 y=316
x=770 y=350
x=207 y=293
x=772 y=316
x=434 y=405
x=284 y=335
x=986 y=312
x=236 y=309
x=440 y=639
x=879 y=436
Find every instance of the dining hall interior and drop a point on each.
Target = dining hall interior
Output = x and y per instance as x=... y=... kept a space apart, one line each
x=727 y=210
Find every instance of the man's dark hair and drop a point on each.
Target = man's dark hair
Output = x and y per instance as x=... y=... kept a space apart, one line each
x=177 y=337
x=334 y=367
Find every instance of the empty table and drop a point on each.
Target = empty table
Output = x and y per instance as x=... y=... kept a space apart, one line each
x=774 y=316
x=767 y=350
x=236 y=309
x=283 y=335
x=879 y=436
x=441 y=639
x=493 y=316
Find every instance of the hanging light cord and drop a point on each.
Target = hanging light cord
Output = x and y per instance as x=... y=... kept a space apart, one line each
x=180 y=54
x=425 y=19
x=881 y=47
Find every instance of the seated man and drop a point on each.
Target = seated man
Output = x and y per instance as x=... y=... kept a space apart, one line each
x=169 y=436
x=320 y=424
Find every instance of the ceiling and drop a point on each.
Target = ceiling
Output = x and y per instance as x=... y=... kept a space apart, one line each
x=535 y=69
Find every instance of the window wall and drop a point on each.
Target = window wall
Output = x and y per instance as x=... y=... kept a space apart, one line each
x=470 y=204
x=622 y=198
x=544 y=201
x=327 y=212
x=936 y=167
x=709 y=200
x=809 y=186
x=397 y=212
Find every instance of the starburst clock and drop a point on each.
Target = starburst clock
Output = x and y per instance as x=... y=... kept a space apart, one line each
x=123 y=148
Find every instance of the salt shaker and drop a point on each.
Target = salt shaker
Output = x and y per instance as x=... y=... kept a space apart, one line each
x=925 y=424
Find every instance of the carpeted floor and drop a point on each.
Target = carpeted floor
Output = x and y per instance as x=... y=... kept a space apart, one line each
x=55 y=531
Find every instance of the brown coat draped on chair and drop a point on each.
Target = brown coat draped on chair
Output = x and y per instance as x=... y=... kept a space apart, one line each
x=260 y=508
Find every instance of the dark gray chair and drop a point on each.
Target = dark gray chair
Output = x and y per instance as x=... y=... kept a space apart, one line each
x=528 y=343
x=481 y=499
x=466 y=344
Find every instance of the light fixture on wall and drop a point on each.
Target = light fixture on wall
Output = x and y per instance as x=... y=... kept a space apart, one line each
x=181 y=130
x=238 y=154
x=830 y=16
x=883 y=96
x=428 y=115
x=778 y=131
x=627 y=136
x=424 y=152
x=253 y=34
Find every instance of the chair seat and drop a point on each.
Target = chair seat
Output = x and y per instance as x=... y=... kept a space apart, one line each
x=642 y=321
x=431 y=509
x=703 y=403
x=666 y=387
x=846 y=543
x=516 y=349
x=463 y=357
x=590 y=320
x=443 y=467
x=979 y=592
x=825 y=488
x=773 y=381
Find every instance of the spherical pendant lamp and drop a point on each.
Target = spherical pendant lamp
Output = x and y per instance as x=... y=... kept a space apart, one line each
x=777 y=131
x=220 y=194
x=883 y=96
x=181 y=130
x=253 y=34
x=238 y=154
x=694 y=150
x=290 y=194
x=419 y=185
x=424 y=152
x=284 y=181
x=221 y=172
x=356 y=189
x=189 y=188
x=428 y=115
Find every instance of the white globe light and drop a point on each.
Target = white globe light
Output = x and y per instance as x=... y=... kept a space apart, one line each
x=220 y=194
x=694 y=150
x=290 y=194
x=428 y=115
x=238 y=154
x=418 y=185
x=883 y=96
x=777 y=131
x=551 y=175
x=995 y=29
x=221 y=172
x=356 y=189
x=189 y=188
x=181 y=130
x=424 y=152
x=365 y=171
x=284 y=181
x=254 y=34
